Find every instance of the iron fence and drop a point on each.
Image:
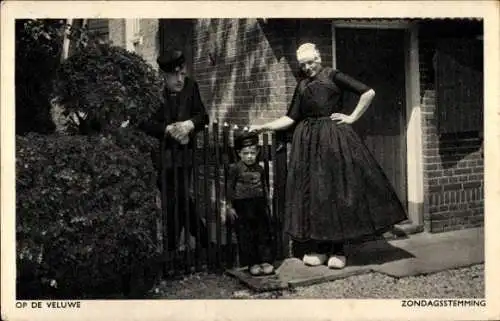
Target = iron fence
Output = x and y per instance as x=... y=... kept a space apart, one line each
x=206 y=165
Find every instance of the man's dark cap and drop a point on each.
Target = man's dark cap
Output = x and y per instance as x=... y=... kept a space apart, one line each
x=171 y=60
x=245 y=139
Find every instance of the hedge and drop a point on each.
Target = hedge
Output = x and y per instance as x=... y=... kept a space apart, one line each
x=86 y=213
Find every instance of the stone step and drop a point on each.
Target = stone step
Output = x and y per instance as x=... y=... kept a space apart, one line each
x=403 y=230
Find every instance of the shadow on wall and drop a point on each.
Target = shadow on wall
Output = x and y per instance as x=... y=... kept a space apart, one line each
x=238 y=82
x=459 y=147
x=282 y=35
x=242 y=64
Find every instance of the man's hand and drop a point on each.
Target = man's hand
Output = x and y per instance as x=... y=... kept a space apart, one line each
x=180 y=130
x=169 y=129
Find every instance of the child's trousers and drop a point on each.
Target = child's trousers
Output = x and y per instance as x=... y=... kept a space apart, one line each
x=253 y=229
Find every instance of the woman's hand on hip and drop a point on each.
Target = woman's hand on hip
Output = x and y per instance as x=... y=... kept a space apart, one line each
x=342 y=118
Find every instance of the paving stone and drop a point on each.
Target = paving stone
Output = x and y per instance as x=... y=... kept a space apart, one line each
x=436 y=257
x=420 y=254
x=295 y=273
x=261 y=283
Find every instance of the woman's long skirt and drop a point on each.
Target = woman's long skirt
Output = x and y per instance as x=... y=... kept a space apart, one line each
x=336 y=190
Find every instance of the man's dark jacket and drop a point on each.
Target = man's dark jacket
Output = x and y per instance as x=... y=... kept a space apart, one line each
x=185 y=105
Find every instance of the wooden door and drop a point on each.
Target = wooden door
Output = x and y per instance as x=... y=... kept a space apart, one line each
x=377 y=58
x=178 y=33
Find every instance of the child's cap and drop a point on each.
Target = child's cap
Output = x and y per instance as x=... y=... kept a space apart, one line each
x=245 y=139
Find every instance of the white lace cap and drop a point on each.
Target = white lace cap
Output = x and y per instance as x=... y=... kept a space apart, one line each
x=307 y=51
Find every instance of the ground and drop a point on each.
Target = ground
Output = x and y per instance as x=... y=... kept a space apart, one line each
x=465 y=282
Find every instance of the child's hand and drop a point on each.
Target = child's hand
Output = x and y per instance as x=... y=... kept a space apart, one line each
x=256 y=128
x=270 y=205
x=231 y=213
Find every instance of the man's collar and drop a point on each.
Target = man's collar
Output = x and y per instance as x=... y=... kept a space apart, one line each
x=170 y=93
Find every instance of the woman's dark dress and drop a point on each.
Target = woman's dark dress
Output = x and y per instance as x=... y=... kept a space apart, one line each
x=336 y=190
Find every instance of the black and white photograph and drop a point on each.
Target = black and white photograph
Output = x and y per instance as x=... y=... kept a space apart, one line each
x=248 y=158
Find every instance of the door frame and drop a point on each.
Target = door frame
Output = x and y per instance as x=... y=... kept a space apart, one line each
x=413 y=125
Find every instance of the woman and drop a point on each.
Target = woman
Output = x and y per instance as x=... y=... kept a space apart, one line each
x=336 y=191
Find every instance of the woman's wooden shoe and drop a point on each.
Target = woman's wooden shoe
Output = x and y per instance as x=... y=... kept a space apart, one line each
x=314 y=259
x=255 y=270
x=336 y=262
x=267 y=268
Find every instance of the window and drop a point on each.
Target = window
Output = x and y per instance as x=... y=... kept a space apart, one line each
x=133 y=33
x=459 y=85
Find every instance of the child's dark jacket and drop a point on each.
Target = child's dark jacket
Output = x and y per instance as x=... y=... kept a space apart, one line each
x=246 y=182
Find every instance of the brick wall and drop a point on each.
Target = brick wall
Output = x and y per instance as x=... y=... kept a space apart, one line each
x=241 y=78
x=453 y=164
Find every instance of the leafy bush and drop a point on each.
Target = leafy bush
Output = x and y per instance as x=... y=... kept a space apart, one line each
x=85 y=212
x=103 y=86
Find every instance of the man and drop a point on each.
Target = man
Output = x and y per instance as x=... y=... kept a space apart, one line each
x=176 y=122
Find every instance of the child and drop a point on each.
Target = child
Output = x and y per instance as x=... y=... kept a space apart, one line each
x=247 y=206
